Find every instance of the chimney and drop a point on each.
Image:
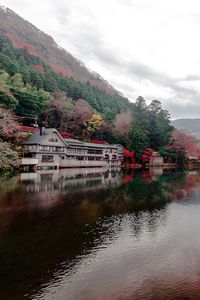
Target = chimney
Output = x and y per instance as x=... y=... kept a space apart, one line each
x=42 y=130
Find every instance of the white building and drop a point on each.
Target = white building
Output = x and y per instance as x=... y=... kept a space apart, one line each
x=48 y=149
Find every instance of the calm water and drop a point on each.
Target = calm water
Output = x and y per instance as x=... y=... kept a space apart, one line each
x=98 y=235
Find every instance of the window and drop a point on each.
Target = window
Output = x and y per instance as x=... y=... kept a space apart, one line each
x=80 y=151
x=80 y=158
x=31 y=147
x=94 y=151
x=44 y=148
x=46 y=177
x=54 y=140
x=90 y=158
x=72 y=150
x=47 y=158
x=59 y=149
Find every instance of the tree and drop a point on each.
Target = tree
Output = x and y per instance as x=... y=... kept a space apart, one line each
x=36 y=78
x=188 y=142
x=8 y=65
x=6 y=95
x=59 y=112
x=105 y=133
x=9 y=128
x=83 y=110
x=123 y=123
x=137 y=140
x=94 y=123
x=146 y=155
x=174 y=153
x=8 y=158
x=31 y=101
x=159 y=127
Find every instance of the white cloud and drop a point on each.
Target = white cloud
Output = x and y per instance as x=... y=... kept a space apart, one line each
x=142 y=47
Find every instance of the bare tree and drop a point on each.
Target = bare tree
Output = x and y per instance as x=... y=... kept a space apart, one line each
x=123 y=122
x=83 y=110
x=59 y=112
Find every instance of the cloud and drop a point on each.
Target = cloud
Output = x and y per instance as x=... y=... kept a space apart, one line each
x=141 y=47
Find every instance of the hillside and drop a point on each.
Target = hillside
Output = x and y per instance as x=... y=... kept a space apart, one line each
x=25 y=35
x=191 y=126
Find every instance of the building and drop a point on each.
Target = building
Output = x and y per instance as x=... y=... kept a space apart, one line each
x=46 y=148
x=156 y=159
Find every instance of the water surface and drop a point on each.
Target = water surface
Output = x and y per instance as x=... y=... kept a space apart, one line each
x=97 y=234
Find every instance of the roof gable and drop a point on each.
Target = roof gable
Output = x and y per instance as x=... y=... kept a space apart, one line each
x=49 y=137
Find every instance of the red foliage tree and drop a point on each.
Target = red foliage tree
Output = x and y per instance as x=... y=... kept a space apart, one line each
x=38 y=68
x=96 y=141
x=188 y=142
x=129 y=156
x=66 y=135
x=146 y=155
x=62 y=71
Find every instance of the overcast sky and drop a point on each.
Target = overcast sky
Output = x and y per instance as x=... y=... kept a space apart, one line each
x=142 y=47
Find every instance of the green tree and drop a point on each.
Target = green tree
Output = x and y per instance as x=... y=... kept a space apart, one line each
x=137 y=140
x=8 y=65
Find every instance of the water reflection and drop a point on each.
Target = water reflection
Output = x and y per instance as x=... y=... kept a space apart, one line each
x=100 y=234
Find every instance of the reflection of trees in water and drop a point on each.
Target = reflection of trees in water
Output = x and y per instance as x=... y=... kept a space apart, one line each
x=183 y=187
x=43 y=241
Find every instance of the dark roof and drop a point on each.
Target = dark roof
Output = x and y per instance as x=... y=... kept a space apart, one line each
x=36 y=138
x=73 y=141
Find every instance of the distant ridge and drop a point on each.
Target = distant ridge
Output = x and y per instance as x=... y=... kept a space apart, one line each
x=191 y=126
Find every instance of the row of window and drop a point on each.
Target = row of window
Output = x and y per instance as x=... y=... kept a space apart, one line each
x=50 y=158
x=53 y=149
x=69 y=150
x=111 y=151
x=47 y=158
x=81 y=158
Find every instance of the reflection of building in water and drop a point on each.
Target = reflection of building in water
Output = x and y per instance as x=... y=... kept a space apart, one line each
x=62 y=179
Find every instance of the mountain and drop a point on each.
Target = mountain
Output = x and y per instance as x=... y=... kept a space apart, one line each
x=191 y=126
x=23 y=34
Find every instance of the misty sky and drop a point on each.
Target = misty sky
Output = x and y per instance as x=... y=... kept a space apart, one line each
x=142 y=47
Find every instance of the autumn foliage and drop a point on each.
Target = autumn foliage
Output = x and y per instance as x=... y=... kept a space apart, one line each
x=129 y=156
x=146 y=155
x=8 y=125
x=38 y=68
x=188 y=142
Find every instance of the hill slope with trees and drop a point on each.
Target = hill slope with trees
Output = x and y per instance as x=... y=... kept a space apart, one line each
x=30 y=86
x=26 y=36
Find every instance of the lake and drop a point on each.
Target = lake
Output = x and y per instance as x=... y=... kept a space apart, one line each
x=100 y=235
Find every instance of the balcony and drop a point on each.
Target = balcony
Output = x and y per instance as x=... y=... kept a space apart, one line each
x=29 y=161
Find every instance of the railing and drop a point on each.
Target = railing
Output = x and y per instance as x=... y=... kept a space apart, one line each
x=27 y=161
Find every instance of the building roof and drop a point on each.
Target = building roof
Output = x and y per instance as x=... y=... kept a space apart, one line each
x=155 y=154
x=87 y=144
x=73 y=141
x=36 y=138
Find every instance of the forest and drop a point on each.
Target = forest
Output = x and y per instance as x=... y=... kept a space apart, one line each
x=29 y=88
